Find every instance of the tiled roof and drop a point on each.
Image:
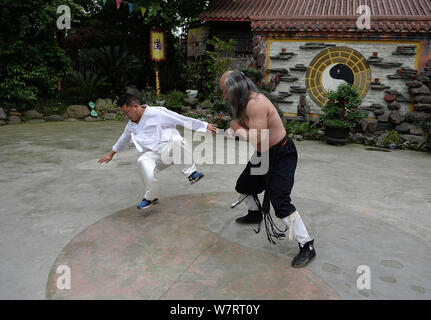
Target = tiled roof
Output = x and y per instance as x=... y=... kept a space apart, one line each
x=323 y=15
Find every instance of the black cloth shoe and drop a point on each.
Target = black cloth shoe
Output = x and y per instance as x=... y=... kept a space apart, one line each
x=251 y=217
x=305 y=256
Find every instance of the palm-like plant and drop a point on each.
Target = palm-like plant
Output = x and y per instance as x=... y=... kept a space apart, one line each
x=86 y=85
x=116 y=64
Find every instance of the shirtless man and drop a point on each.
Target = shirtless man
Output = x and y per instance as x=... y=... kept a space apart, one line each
x=255 y=113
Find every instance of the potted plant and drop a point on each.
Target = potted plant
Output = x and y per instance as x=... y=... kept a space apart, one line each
x=341 y=113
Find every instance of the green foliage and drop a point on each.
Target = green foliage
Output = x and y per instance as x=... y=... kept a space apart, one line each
x=87 y=85
x=146 y=97
x=194 y=114
x=222 y=121
x=342 y=108
x=50 y=106
x=31 y=59
x=220 y=56
x=116 y=64
x=255 y=75
x=174 y=99
x=297 y=127
x=191 y=74
x=392 y=136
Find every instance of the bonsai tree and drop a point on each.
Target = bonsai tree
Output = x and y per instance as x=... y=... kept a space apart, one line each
x=342 y=108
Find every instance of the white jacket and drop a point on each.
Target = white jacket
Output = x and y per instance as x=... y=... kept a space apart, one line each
x=156 y=126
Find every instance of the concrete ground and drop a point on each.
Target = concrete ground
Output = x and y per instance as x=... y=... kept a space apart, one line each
x=58 y=206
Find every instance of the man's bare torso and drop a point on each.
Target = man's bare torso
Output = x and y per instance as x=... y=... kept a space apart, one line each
x=274 y=123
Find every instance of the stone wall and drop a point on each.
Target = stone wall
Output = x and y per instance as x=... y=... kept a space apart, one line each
x=303 y=52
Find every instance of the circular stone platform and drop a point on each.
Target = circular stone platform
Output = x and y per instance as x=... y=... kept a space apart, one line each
x=176 y=250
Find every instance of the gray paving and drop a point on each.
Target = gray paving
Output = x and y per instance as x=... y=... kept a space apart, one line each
x=363 y=207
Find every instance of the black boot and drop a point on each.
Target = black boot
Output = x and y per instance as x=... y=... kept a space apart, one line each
x=251 y=217
x=305 y=256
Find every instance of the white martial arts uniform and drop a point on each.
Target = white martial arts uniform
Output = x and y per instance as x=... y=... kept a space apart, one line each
x=156 y=137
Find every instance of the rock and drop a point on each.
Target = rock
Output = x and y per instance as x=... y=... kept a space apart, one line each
x=91 y=119
x=33 y=114
x=390 y=97
x=3 y=115
x=413 y=139
x=132 y=90
x=320 y=135
x=298 y=137
x=394 y=105
x=357 y=138
x=303 y=109
x=395 y=117
x=417 y=116
x=416 y=131
x=71 y=120
x=423 y=107
x=423 y=78
x=369 y=141
x=261 y=58
x=110 y=116
x=403 y=128
x=372 y=126
x=102 y=104
x=113 y=109
x=35 y=121
x=422 y=90
x=206 y=104
x=54 y=117
x=190 y=101
x=413 y=84
x=14 y=120
x=423 y=99
x=379 y=112
x=380 y=142
x=2 y=123
x=78 y=111
x=384 y=117
x=186 y=109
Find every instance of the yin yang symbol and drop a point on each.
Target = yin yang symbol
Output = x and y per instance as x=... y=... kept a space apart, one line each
x=337 y=74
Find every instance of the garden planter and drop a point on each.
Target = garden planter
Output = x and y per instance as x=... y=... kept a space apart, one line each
x=192 y=93
x=337 y=136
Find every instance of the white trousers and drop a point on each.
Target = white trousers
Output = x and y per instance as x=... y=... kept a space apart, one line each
x=151 y=162
x=294 y=223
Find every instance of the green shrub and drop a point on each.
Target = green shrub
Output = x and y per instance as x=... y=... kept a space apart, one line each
x=87 y=86
x=297 y=127
x=174 y=99
x=342 y=108
x=255 y=75
x=390 y=137
x=115 y=64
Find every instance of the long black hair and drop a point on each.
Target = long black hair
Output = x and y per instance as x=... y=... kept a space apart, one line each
x=239 y=88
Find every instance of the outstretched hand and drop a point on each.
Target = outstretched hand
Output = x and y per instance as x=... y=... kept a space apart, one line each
x=106 y=158
x=212 y=128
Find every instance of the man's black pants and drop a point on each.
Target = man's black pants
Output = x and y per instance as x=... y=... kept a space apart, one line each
x=285 y=159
